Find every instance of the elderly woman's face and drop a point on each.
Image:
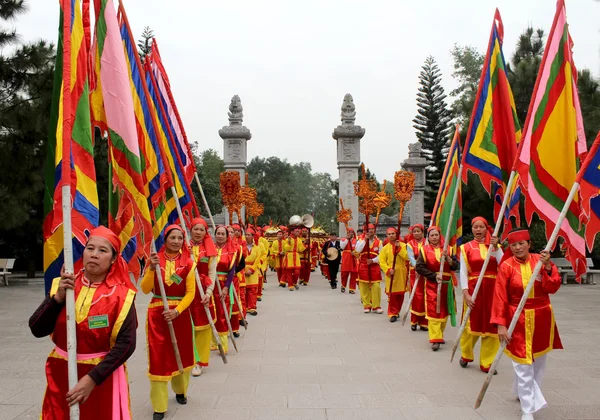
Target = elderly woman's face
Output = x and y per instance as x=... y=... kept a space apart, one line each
x=221 y=236
x=434 y=237
x=417 y=233
x=198 y=232
x=98 y=256
x=174 y=241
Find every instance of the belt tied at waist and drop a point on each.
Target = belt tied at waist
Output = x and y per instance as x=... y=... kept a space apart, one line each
x=532 y=303
x=168 y=297
x=120 y=389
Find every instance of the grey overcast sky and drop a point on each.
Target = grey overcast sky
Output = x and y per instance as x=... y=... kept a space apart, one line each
x=292 y=62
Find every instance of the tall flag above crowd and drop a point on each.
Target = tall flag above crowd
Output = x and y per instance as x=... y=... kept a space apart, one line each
x=113 y=111
x=444 y=216
x=494 y=131
x=70 y=158
x=554 y=141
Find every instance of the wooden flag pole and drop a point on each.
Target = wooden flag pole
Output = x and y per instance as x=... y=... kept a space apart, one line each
x=536 y=272
x=446 y=241
x=163 y=296
x=70 y=297
x=507 y=196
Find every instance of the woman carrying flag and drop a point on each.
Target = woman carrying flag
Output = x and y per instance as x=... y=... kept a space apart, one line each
x=428 y=266
x=414 y=243
x=105 y=324
x=472 y=257
x=536 y=333
x=204 y=254
x=392 y=260
x=177 y=270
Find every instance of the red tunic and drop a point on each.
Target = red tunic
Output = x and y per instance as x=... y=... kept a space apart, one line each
x=162 y=365
x=418 y=303
x=100 y=311
x=432 y=257
x=473 y=254
x=535 y=333
x=226 y=260
x=369 y=273
x=348 y=259
x=197 y=308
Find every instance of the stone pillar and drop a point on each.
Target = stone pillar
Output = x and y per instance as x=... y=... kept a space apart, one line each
x=416 y=163
x=235 y=148
x=348 y=137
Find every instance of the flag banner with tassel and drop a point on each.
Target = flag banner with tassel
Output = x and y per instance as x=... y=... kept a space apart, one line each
x=553 y=142
x=494 y=131
x=70 y=121
x=451 y=181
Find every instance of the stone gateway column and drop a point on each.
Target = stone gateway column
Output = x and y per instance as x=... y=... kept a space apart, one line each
x=235 y=148
x=416 y=163
x=348 y=137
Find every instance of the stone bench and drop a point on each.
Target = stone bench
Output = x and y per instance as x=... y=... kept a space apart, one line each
x=565 y=270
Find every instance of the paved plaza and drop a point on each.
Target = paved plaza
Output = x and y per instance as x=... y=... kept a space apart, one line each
x=312 y=354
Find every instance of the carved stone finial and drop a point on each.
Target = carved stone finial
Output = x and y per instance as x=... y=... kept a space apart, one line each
x=415 y=149
x=348 y=110
x=235 y=113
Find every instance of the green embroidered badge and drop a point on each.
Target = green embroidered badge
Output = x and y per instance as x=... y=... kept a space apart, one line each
x=99 y=321
x=176 y=279
x=204 y=259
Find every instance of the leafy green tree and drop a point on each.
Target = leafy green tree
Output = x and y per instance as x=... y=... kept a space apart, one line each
x=145 y=42
x=467 y=64
x=589 y=97
x=432 y=125
x=26 y=78
x=209 y=165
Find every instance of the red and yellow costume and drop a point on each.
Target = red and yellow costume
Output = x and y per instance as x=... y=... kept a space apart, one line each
x=417 y=307
x=105 y=326
x=293 y=247
x=472 y=257
x=179 y=280
x=306 y=258
x=204 y=254
x=349 y=265
x=239 y=282
x=396 y=285
x=428 y=266
x=253 y=266
x=262 y=241
x=535 y=333
x=277 y=247
x=369 y=275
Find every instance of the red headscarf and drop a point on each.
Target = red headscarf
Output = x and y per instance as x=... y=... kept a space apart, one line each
x=207 y=242
x=118 y=271
x=488 y=235
x=516 y=236
x=185 y=252
x=441 y=244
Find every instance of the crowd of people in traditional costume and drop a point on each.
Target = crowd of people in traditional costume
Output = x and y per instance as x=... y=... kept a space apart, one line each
x=232 y=271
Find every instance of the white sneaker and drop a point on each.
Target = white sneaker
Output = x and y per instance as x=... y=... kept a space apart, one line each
x=367 y=311
x=197 y=370
x=527 y=416
x=379 y=311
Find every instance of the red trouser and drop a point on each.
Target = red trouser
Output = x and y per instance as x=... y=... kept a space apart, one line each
x=292 y=275
x=220 y=321
x=353 y=276
x=419 y=320
x=305 y=271
x=251 y=295
x=260 y=287
x=395 y=302
x=281 y=275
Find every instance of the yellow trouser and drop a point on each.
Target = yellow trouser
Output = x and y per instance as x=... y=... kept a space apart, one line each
x=370 y=294
x=436 y=330
x=159 y=394
x=224 y=342
x=489 y=348
x=203 y=340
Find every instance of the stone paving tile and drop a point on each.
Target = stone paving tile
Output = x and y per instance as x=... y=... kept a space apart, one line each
x=313 y=354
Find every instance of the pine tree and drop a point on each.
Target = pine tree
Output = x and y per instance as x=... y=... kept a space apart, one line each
x=145 y=43
x=433 y=129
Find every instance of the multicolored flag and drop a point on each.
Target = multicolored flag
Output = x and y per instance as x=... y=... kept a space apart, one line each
x=494 y=132
x=181 y=141
x=449 y=186
x=114 y=114
x=554 y=141
x=589 y=185
x=168 y=146
x=157 y=179
x=70 y=158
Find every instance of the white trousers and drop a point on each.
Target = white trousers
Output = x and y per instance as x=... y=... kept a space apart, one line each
x=527 y=383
